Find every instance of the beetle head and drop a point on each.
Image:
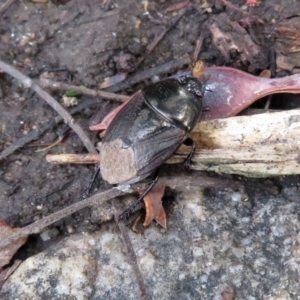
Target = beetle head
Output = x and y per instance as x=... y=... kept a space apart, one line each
x=193 y=85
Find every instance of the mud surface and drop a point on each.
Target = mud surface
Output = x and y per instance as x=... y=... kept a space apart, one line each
x=84 y=42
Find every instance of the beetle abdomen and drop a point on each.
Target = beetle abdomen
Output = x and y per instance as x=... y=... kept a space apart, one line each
x=121 y=161
x=121 y=164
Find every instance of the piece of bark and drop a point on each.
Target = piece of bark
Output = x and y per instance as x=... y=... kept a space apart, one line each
x=254 y=146
x=230 y=37
x=287 y=45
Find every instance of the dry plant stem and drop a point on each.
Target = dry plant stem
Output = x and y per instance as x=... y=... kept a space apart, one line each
x=46 y=83
x=39 y=225
x=151 y=47
x=157 y=40
x=230 y=5
x=138 y=77
x=133 y=259
x=13 y=268
x=73 y=158
x=100 y=198
x=28 y=83
x=177 y=6
x=5 y=6
x=198 y=180
x=98 y=16
x=36 y=133
x=198 y=47
x=268 y=103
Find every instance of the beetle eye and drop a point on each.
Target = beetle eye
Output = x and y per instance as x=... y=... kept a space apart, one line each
x=199 y=94
x=126 y=143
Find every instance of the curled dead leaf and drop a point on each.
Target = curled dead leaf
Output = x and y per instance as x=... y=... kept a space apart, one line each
x=7 y=253
x=154 y=208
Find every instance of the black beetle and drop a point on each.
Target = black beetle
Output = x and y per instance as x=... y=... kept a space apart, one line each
x=149 y=129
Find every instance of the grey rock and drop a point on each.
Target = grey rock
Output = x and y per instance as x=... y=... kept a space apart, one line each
x=215 y=246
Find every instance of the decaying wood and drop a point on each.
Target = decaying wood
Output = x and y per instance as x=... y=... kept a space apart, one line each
x=256 y=146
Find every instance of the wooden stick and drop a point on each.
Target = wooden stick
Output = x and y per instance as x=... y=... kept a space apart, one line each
x=255 y=146
x=54 y=85
x=100 y=198
x=28 y=83
x=73 y=158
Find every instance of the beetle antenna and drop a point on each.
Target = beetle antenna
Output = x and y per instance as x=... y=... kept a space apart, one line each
x=187 y=161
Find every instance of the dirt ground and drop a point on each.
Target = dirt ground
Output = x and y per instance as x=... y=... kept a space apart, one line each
x=84 y=42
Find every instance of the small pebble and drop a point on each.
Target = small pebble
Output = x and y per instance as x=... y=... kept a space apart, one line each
x=236 y=197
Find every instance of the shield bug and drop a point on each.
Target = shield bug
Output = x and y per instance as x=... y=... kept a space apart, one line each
x=149 y=129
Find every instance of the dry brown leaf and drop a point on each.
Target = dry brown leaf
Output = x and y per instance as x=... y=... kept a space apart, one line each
x=7 y=253
x=137 y=225
x=161 y=218
x=154 y=208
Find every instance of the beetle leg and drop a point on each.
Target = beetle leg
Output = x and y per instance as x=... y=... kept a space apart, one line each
x=130 y=209
x=89 y=188
x=189 y=142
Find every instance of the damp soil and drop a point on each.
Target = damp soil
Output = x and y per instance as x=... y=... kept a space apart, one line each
x=84 y=42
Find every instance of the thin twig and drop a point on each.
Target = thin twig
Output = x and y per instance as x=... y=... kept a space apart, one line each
x=5 y=6
x=138 y=77
x=177 y=6
x=133 y=260
x=39 y=225
x=72 y=158
x=100 y=198
x=28 y=83
x=36 y=133
x=46 y=83
x=198 y=47
x=230 y=5
x=151 y=47
x=158 y=39
x=98 y=16
x=272 y=67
